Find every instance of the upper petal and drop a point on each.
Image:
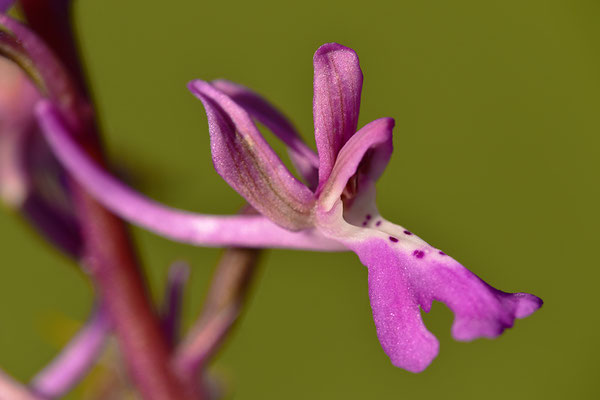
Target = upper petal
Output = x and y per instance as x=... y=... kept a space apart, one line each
x=337 y=88
x=407 y=275
x=304 y=158
x=248 y=164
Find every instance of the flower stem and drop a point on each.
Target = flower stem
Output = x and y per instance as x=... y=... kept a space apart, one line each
x=224 y=302
x=108 y=252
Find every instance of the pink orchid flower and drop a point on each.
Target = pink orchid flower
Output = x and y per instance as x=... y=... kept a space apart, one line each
x=335 y=211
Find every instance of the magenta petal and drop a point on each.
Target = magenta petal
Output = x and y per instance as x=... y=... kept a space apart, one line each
x=248 y=164
x=364 y=156
x=337 y=88
x=400 y=329
x=74 y=361
x=404 y=278
x=303 y=157
x=184 y=226
x=406 y=275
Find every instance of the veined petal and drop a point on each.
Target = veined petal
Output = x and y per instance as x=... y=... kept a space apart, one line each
x=304 y=158
x=407 y=275
x=184 y=226
x=74 y=361
x=248 y=164
x=362 y=160
x=337 y=88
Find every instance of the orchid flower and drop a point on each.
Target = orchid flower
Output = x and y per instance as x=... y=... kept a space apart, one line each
x=336 y=211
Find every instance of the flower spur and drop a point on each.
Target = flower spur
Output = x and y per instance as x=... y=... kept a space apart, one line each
x=335 y=211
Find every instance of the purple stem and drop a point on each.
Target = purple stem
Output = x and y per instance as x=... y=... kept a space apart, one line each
x=108 y=252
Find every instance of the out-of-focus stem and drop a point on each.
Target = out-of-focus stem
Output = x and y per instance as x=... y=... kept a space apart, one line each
x=114 y=269
x=223 y=305
x=13 y=390
x=108 y=253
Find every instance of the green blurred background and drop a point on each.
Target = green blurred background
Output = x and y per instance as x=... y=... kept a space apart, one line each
x=496 y=162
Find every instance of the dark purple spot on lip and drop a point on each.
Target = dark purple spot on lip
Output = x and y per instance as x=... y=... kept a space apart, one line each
x=442 y=253
x=393 y=239
x=368 y=216
x=408 y=233
x=364 y=223
x=418 y=253
x=378 y=223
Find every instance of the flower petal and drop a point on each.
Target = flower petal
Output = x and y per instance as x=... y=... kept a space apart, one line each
x=406 y=275
x=303 y=157
x=337 y=88
x=179 y=225
x=363 y=157
x=248 y=164
x=74 y=361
